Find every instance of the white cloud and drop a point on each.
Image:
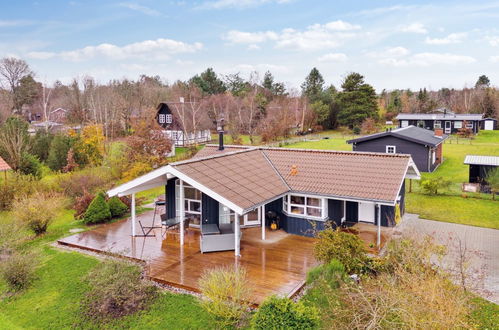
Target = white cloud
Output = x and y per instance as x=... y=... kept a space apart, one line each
x=333 y=57
x=314 y=37
x=143 y=9
x=453 y=38
x=341 y=26
x=393 y=52
x=262 y=67
x=414 y=28
x=493 y=40
x=494 y=59
x=221 y=4
x=428 y=59
x=240 y=37
x=149 y=49
x=253 y=47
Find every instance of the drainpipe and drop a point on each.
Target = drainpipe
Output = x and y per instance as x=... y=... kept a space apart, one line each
x=379 y=227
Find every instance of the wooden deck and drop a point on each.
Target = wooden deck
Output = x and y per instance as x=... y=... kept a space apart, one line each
x=277 y=265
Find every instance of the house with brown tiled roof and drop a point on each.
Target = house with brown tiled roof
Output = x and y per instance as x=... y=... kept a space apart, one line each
x=225 y=189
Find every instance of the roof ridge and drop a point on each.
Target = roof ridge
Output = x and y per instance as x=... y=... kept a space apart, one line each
x=275 y=169
x=337 y=152
x=193 y=160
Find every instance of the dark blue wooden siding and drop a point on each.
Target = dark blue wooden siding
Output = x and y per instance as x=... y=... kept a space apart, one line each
x=170 y=198
x=276 y=206
x=209 y=210
x=335 y=210
x=429 y=124
x=304 y=227
x=418 y=152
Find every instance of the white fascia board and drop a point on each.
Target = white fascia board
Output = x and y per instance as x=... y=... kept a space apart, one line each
x=417 y=174
x=141 y=188
x=138 y=181
x=172 y=170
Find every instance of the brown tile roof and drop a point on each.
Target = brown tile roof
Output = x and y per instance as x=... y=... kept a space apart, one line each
x=248 y=176
x=358 y=175
x=3 y=165
x=212 y=150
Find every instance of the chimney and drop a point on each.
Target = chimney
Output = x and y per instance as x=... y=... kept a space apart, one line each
x=220 y=130
x=294 y=170
x=439 y=132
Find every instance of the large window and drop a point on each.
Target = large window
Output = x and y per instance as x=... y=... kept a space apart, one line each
x=469 y=125
x=458 y=124
x=305 y=206
x=437 y=124
x=192 y=202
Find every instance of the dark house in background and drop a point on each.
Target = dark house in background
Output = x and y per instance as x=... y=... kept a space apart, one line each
x=480 y=166
x=173 y=130
x=489 y=124
x=445 y=119
x=424 y=146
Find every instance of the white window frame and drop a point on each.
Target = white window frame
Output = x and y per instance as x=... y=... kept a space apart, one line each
x=437 y=124
x=404 y=123
x=168 y=118
x=387 y=150
x=469 y=125
x=187 y=209
x=162 y=118
x=458 y=124
x=287 y=205
x=433 y=156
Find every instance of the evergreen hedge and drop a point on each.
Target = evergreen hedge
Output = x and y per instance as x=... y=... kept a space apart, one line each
x=98 y=210
x=117 y=207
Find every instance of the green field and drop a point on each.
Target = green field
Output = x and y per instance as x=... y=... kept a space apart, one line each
x=451 y=206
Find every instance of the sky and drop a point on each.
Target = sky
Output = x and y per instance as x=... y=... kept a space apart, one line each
x=394 y=44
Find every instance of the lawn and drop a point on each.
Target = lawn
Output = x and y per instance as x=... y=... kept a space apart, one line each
x=52 y=301
x=476 y=209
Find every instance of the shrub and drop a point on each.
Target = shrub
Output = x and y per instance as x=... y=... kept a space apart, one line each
x=59 y=147
x=117 y=158
x=37 y=211
x=117 y=207
x=432 y=185
x=89 y=180
x=136 y=169
x=30 y=165
x=81 y=204
x=17 y=185
x=41 y=144
x=226 y=294
x=116 y=289
x=282 y=313
x=348 y=249
x=18 y=270
x=98 y=210
x=356 y=130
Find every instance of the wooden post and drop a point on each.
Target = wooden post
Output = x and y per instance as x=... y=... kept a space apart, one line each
x=237 y=231
x=133 y=215
x=182 y=211
x=410 y=185
x=263 y=222
x=379 y=227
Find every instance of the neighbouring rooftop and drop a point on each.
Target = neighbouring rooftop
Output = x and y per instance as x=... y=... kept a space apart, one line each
x=410 y=133
x=4 y=166
x=481 y=160
x=439 y=116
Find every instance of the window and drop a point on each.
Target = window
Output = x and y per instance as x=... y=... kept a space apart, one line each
x=192 y=202
x=405 y=123
x=458 y=124
x=469 y=125
x=304 y=206
x=421 y=123
x=168 y=119
x=391 y=149
x=433 y=156
x=162 y=118
x=437 y=124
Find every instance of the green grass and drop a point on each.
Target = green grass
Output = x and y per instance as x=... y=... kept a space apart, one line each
x=477 y=209
x=485 y=315
x=52 y=301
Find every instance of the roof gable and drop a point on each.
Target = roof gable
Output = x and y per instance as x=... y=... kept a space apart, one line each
x=411 y=133
x=4 y=166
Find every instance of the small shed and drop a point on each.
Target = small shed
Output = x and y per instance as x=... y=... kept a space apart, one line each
x=480 y=166
x=424 y=146
x=489 y=124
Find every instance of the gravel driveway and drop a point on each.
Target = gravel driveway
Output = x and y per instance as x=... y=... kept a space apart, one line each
x=481 y=244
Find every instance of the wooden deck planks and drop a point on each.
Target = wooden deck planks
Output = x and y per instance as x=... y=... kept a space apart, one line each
x=277 y=265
